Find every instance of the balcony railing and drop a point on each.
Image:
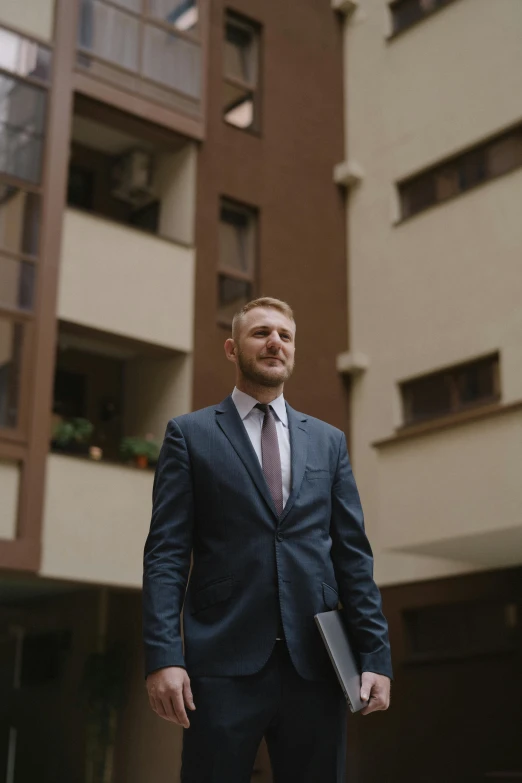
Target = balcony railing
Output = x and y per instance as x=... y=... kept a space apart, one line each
x=122 y=280
x=455 y=493
x=96 y=518
x=131 y=45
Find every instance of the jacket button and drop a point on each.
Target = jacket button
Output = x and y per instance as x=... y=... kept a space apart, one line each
x=280 y=536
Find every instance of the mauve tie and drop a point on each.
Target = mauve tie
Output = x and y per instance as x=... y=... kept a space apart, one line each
x=271 y=457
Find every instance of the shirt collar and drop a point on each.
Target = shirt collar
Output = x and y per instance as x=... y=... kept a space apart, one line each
x=245 y=403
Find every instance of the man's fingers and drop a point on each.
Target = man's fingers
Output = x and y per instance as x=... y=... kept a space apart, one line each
x=179 y=708
x=187 y=695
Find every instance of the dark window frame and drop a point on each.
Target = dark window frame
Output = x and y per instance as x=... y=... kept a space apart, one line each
x=232 y=273
x=469 y=169
x=252 y=89
x=452 y=377
x=21 y=317
x=400 y=24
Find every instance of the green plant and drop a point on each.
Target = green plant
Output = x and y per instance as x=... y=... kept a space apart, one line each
x=72 y=431
x=132 y=447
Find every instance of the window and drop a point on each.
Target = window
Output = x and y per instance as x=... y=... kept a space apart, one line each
x=241 y=72
x=152 y=40
x=451 y=391
x=498 y=156
x=25 y=68
x=405 y=13
x=237 y=259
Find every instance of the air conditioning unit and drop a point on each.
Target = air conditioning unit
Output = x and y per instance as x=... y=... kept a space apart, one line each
x=132 y=178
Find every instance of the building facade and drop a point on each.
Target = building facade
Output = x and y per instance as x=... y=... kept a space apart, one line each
x=161 y=162
x=433 y=174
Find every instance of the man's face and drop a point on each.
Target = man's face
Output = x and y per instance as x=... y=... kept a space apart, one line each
x=266 y=347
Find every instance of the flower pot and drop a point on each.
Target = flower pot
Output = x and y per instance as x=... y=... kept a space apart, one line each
x=141 y=461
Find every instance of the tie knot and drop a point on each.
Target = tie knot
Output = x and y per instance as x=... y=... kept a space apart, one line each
x=262 y=406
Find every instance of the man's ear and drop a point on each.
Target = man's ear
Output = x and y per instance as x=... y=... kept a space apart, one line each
x=230 y=349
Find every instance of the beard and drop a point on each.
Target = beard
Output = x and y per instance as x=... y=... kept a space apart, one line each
x=262 y=377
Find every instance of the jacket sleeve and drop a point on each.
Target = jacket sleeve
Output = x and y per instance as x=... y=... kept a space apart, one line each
x=167 y=553
x=353 y=564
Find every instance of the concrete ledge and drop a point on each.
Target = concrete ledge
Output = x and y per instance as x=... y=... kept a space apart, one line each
x=348 y=174
x=352 y=363
x=346 y=7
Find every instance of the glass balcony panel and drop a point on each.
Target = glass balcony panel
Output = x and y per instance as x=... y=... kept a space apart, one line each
x=22 y=119
x=110 y=34
x=19 y=220
x=182 y=14
x=17 y=279
x=172 y=61
x=20 y=56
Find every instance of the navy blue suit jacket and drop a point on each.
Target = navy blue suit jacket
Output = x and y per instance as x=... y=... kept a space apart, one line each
x=211 y=500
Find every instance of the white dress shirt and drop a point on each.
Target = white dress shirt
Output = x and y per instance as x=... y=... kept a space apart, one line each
x=253 y=418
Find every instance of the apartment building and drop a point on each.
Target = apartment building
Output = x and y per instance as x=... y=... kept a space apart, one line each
x=161 y=162
x=432 y=168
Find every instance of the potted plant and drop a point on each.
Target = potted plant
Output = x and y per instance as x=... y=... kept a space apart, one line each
x=72 y=436
x=141 y=451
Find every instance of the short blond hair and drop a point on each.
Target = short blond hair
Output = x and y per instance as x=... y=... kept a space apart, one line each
x=263 y=301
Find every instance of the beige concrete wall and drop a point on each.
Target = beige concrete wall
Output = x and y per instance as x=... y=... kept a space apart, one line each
x=156 y=389
x=175 y=185
x=124 y=281
x=443 y=287
x=9 y=486
x=96 y=518
x=34 y=17
x=453 y=484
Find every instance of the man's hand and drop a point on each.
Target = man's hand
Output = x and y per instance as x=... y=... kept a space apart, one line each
x=376 y=688
x=169 y=692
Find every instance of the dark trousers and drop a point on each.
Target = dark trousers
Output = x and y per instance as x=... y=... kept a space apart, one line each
x=304 y=724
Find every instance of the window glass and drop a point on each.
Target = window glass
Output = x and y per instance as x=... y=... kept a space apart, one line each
x=233 y=294
x=240 y=52
x=19 y=220
x=476 y=382
x=23 y=57
x=505 y=155
x=22 y=119
x=11 y=337
x=427 y=398
x=237 y=240
x=406 y=12
x=182 y=14
x=238 y=105
x=17 y=280
x=172 y=61
x=111 y=34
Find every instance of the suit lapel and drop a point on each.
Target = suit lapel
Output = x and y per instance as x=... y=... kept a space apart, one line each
x=230 y=422
x=299 y=449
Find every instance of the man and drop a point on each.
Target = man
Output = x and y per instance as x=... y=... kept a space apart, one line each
x=265 y=500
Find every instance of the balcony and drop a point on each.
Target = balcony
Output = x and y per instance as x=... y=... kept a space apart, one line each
x=145 y=58
x=124 y=281
x=455 y=493
x=96 y=518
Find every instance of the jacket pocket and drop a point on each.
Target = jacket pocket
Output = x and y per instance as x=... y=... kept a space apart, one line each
x=213 y=593
x=312 y=474
x=330 y=596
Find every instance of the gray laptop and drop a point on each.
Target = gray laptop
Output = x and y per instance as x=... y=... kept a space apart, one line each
x=331 y=627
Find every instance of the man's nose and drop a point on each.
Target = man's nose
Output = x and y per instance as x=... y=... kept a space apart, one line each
x=274 y=341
